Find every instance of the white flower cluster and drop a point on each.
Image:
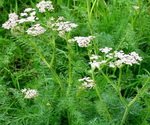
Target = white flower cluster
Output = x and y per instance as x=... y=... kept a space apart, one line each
x=113 y=59
x=117 y=58
x=94 y=57
x=122 y=58
x=105 y=50
x=83 y=41
x=28 y=15
x=95 y=63
x=29 y=93
x=12 y=21
x=45 y=5
x=87 y=82
x=36 y=30
x=61 y=25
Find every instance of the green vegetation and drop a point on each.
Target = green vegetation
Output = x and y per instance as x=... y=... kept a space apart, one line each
x=49 y=75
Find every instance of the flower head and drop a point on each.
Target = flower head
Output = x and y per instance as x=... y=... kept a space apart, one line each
x=122 y=58
x=94 y=64
x=87 y=82
x=45 y=5
x=29 y=93
x=36 y=30
x=105 y=50
x=12 y=21
x=29 y=10
x=64 y=27
x=83 y=41
x=61 y=25
x=94 y=57
x=136 y=56
x=28 y=15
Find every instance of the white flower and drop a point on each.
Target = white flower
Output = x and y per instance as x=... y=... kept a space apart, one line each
x=94 y=57
x=136 y=56
x=52 y=18
x=29 y=93
x=88 y=85
x=83 y=41
x=12 y=21
x=23 y=90
x=13 y=17
x=66 y=26
x=103 y=62
x=95 y=64
x=29 y=15
x=110 y=55
x=115 y=59
x=105 y=50
x=35 y=30
x=61 y=26
x=33 y=13
x=85 y=79
x=45 y=5
x=23 y=14
x=122 y=58
x=87 y=82
x=119 y=54
x=129 y=59
x=118 y=63
x=30 y=19
x=22 y=20
x=29 y=10
x=112 y=65
x=61 y=18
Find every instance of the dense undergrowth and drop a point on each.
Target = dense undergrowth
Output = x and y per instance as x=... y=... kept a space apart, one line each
x=53 y=64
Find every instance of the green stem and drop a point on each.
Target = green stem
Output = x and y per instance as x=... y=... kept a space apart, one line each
x=98 y=94
x=16 y=6
x=108 y=80
x=89 y=16
x=142 y=90
x=68 y=3
x=121 y=97
x=54 y=50
x=101 y=100
x=69 y=64
x=14 y=79
x=119 y=87
x=33 y=44
x=93 y=5
x=124 y=116
x=120 y=76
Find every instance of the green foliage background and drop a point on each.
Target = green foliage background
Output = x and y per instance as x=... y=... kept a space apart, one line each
x=115 y=24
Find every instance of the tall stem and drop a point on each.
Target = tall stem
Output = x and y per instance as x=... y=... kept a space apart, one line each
x=33 y=44
x=69 y=64
x=119 y=87
x=101 y=100
x=124 y=116
x=140 y=93
x=54 y=50
x=68 y=3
